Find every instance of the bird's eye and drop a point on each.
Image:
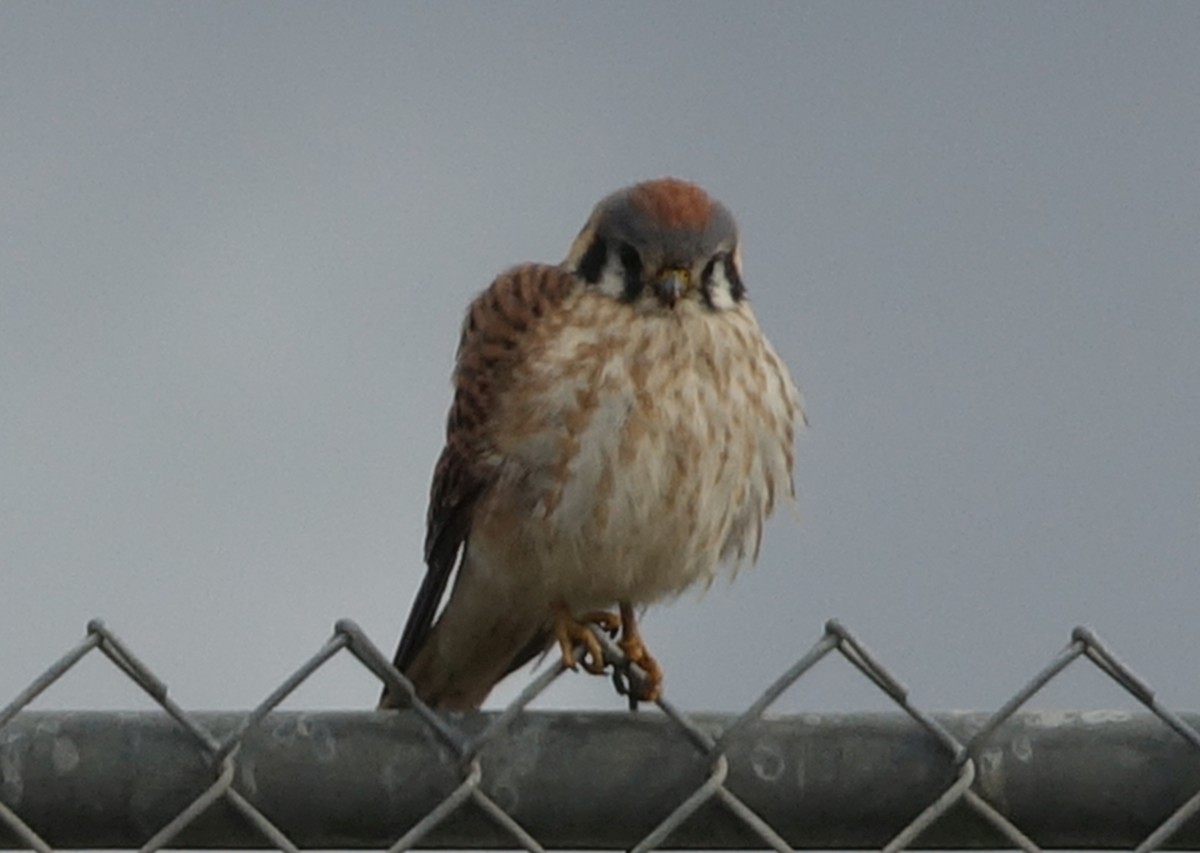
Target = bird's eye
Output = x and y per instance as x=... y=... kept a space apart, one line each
x=613 y=268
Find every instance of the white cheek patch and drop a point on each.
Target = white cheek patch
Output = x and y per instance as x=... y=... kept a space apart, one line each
x=612 y=277
x=720 y=290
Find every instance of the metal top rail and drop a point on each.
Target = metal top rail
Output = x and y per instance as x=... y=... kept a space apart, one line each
x=601 y=781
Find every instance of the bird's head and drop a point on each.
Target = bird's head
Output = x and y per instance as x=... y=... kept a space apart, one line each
x=658 y=244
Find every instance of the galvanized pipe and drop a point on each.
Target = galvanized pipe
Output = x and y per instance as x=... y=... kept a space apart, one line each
x=595 y=781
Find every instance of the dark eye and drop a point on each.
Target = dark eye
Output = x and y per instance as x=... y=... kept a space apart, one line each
x=631 y=264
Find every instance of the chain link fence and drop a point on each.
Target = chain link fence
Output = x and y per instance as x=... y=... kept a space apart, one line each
x=538 y=780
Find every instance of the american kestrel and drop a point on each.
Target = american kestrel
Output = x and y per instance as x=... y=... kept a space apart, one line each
x=620 y=430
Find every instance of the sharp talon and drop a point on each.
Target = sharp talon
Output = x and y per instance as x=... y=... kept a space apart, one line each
x=570 y=632
x=635 y=653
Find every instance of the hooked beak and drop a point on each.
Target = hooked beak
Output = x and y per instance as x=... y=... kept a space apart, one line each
x=671 y=285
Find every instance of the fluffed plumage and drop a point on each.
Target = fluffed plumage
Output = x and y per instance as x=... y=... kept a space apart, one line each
x=620 y=429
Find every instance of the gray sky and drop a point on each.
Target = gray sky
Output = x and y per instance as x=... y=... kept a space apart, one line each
x=236 y=241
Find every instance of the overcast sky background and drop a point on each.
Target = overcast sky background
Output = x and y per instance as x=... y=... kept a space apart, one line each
x=236 y=241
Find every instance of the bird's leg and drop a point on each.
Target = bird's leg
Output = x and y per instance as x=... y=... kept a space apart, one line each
x=635 y=652
x=569 y=631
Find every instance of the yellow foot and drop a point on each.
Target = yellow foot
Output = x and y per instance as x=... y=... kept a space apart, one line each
x=570 y=632
x=635 y=652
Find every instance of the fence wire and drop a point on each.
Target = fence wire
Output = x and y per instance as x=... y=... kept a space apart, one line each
x=957 y=752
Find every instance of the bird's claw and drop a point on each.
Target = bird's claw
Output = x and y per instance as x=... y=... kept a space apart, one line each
x=574 y=633
x=636 y=653
x=609 y=623
x=570 y=632
x=649 y=687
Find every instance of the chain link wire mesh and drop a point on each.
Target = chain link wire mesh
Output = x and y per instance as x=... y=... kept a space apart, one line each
x=962 y=755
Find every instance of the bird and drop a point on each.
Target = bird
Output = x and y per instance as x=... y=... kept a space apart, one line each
x=619 y=432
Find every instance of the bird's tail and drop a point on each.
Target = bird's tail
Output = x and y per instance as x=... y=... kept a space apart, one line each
x=447 y=679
